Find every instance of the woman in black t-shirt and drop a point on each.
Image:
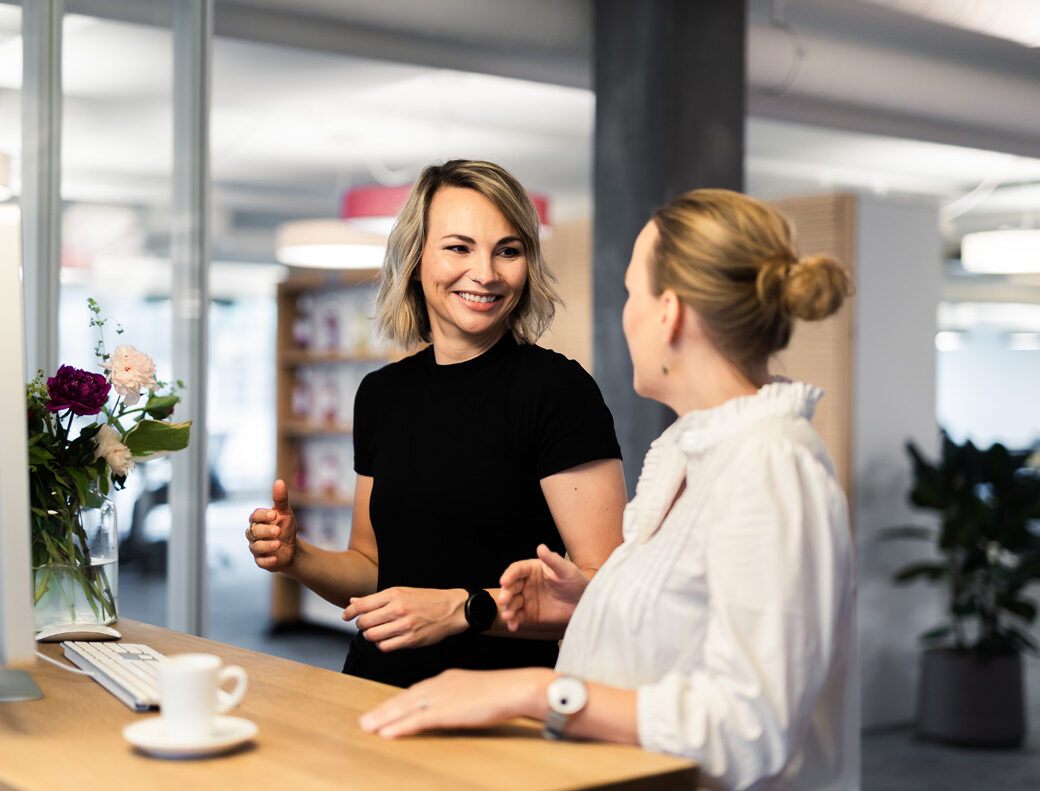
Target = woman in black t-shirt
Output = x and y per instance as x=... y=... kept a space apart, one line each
x=469 y=453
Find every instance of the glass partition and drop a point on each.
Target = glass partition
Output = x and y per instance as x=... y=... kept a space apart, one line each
x=116 y=190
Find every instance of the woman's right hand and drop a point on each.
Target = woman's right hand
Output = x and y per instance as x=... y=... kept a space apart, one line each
x=540 y=591
x=272 y=532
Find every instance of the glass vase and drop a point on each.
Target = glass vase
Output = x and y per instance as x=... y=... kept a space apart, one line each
x=75 y=573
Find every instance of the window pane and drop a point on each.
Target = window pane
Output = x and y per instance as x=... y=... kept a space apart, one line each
x=117 y=144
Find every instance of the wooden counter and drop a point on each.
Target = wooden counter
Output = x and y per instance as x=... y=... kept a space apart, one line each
x=309 y=739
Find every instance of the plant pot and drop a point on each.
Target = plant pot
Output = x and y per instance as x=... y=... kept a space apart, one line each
x=75 y=566
x=970 y=700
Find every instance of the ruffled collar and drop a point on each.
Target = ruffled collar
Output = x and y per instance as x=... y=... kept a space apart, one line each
x=696 y=433
x=702 y=429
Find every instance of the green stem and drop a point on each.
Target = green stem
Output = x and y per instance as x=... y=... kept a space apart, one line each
x=42 y=585
x=63 y=430
x=71 y=552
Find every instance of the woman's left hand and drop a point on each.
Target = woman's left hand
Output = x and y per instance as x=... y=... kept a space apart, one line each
x=409 y=617
x=462 y=699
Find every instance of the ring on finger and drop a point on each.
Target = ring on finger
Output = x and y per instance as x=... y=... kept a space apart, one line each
x=249 y=533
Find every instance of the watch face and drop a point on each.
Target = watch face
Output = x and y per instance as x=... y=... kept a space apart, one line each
x=481 y=610
x=567 y=695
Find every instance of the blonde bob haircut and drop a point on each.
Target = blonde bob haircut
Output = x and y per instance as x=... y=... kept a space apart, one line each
x=733 y=260
x=401 y=307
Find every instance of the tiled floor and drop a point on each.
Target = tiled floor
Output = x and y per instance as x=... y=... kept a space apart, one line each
x=893 y=760
x=898 y=761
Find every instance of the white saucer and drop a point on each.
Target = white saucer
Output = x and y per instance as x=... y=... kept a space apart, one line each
x=150 y=735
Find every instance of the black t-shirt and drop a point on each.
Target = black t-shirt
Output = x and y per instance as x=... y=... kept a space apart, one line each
x=456 y=453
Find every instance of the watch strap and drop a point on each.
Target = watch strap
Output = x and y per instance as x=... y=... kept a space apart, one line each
x=567 y=697
x=480 y=610
x=555 y=723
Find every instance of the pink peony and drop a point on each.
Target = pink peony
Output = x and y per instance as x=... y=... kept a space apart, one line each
x=130 y=372
x=81 y=391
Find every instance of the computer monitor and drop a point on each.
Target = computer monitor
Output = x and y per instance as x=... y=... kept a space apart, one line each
x=17 y=645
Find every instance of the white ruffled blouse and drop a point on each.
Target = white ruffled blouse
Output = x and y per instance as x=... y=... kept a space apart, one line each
x=733 y=614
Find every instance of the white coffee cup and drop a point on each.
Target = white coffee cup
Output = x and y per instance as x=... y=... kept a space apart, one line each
x=188 y=701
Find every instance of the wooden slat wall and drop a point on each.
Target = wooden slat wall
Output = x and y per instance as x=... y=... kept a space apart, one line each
x=822 y=352
x=569 y=253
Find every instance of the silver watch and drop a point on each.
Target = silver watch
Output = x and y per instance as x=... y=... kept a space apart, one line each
x=567 y=696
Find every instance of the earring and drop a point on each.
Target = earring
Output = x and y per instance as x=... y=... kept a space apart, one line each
x=665 y=369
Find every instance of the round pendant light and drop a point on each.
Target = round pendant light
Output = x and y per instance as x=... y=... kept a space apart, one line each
x=1006 y=252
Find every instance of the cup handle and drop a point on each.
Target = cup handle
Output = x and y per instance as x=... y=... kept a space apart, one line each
x=234 y=697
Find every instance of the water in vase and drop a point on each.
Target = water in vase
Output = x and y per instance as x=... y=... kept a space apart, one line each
x=73 y=594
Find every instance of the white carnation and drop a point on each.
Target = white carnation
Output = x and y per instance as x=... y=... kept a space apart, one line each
x=109 y=446
x=130 y=371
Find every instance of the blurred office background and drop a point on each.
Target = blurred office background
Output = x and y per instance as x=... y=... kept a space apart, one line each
x=927 y=112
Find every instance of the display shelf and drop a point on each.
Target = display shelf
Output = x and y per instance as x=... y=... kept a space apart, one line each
x=291 y=358
x=307 y=428
x=305 y=500
x=306 y=281
x=325 y=345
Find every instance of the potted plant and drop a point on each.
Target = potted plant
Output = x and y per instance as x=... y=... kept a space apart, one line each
x=988 y=542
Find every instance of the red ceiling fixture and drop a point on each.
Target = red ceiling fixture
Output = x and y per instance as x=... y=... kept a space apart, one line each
x=358 y=238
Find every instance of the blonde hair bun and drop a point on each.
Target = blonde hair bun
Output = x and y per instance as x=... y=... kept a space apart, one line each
x=732 y=259
x=815 y=287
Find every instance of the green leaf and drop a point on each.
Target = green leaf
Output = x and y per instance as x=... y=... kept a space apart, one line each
x=937 y=633
x=39 y=454
x=909 y=531
x=1023 y=640
x=161 y=407
x=930 y=571
x=79 y=477
x=150 y=439
x=1023 y=608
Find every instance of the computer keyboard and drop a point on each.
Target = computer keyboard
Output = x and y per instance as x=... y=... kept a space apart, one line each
x=130 y=671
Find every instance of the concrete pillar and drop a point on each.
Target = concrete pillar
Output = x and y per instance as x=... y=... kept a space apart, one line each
x=898 y=268
x=670 y=98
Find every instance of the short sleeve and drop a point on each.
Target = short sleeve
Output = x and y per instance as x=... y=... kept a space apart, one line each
x=364 y=425
x=572 y=424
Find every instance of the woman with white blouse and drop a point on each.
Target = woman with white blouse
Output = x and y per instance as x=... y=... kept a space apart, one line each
x=723 y=628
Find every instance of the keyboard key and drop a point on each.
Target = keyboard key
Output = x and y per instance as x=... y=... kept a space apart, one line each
x=130 y=671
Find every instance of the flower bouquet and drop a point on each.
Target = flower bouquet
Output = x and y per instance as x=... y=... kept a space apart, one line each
x=74 y=538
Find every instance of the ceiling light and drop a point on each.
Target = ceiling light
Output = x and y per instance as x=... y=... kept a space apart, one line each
x=1024 y=341
x=329 y=244
x=375 y=208
x=948 y=341
x=1015 y=20
x=1013 y=251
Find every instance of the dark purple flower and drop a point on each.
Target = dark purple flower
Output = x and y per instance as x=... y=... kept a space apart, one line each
x=81 y=391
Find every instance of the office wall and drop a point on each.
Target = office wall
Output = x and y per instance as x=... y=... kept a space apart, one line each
x=569 y=253
x=898 y=258
x=822 y=352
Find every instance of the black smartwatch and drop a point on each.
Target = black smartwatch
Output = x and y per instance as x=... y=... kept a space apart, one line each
x=481 y=610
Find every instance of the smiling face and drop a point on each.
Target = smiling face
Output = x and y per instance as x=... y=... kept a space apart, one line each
x=473 y=270
x=641 y=318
